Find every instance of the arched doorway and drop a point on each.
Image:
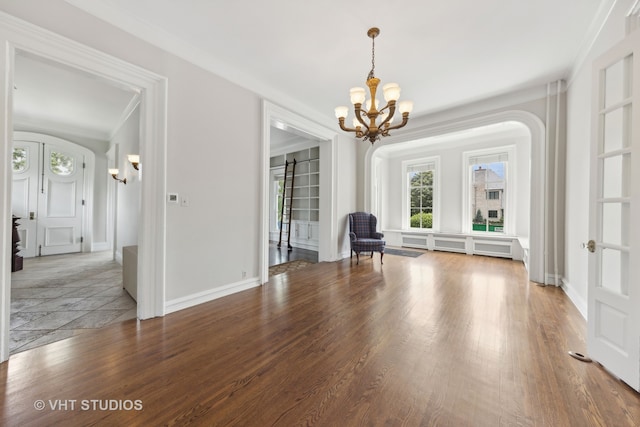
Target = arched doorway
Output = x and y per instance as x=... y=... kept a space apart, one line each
x=537 y=142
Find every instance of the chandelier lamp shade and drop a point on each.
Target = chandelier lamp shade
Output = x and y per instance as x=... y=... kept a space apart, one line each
x=370 y=123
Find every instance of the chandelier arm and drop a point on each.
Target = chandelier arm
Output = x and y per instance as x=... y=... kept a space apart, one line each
x=405 y=120
x=343 y=127
x=359 y=113
x=359 y=133
x=392 y=110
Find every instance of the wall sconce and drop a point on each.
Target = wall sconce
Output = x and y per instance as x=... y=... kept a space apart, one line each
x=114 y=174
x=134 y=159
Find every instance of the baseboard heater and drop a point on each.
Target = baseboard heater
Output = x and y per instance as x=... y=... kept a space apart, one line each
x=472 y=245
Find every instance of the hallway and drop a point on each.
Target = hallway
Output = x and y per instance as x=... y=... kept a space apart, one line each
x=57 y=297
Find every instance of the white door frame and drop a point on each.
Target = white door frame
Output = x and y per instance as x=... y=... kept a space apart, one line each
x=18 y=34
x=280 y=117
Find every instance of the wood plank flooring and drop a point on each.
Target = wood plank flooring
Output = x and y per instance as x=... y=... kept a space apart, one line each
x=442 y=339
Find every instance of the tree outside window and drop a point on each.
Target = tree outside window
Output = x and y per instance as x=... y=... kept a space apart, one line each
x=421 y=199
x=19 y=159
x=61 y=163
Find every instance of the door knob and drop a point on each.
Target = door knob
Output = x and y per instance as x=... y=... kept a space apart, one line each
x=590 y=246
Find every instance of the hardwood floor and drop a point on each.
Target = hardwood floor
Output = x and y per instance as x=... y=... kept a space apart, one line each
x=442 y=339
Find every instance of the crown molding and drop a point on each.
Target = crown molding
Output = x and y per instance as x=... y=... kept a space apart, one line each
x=597 y=24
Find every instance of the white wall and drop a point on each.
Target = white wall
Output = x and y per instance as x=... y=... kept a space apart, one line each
x=579 y=103
x=127 y=139
x=346 y=190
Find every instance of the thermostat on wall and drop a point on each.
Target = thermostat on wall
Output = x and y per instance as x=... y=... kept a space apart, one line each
x=172 y=198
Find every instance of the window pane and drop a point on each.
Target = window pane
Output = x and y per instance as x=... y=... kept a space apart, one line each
x=19 y=159
x=616 y=88
x=61 y=163
x=420 y=190
x=427 y=178
x=487 y=196
x=426 y=196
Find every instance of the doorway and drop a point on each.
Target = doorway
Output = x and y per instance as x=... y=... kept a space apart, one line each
x=152 y=89
x=275 y=117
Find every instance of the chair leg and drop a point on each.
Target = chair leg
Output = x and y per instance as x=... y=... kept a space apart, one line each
x=371 y=254
x=381 y=254
x=357 y=258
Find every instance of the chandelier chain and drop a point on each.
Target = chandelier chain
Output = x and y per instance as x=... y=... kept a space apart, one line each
x=373 y=57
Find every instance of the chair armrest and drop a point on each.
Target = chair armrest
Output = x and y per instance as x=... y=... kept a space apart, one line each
x=377 y=235
x=352 y=236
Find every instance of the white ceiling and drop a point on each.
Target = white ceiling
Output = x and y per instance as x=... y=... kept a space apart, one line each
x=49 y=96
x=309 y=54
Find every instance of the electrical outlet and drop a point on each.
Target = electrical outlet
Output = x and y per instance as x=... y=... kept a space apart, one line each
x=184 y=201
x=172 y=198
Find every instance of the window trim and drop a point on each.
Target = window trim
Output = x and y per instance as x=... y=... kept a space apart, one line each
x=509 y=199
x=406 y=200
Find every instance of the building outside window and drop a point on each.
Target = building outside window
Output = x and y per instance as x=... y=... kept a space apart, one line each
x=487 y=192
x=488 y=205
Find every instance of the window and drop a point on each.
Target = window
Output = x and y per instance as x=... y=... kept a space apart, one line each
x=61 y=163
x=487 y=197
x=19 y=159
x=420 y=190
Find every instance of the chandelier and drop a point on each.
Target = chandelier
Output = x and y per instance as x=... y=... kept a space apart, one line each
x=371 y=124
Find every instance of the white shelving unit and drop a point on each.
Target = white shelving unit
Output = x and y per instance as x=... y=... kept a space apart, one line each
x=305 y=210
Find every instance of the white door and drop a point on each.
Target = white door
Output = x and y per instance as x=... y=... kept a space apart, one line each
x=47 y=195
x=614 y=220
x=24 y=195
x=60 y=201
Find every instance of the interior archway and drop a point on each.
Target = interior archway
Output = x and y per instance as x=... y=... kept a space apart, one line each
x=537 y=204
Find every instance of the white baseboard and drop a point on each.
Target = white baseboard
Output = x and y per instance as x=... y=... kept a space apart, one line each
x=209 y=295
x=553 y=279
x=575 y=298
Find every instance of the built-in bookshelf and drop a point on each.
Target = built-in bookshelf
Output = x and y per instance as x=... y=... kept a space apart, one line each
x=306 y=187
x=305 y=203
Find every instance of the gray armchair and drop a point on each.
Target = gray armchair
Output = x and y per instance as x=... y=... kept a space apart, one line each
x=363 y=234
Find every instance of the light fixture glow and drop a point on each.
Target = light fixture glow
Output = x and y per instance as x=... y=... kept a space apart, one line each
x=134 y=159
x=114 y=174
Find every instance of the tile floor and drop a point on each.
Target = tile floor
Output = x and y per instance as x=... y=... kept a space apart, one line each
x=59 y=296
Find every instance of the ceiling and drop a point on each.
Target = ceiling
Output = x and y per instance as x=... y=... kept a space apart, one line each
x=49 y=96
x=306 y=55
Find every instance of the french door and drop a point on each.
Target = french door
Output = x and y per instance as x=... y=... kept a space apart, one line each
x=47 y=195
x=614 y=217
